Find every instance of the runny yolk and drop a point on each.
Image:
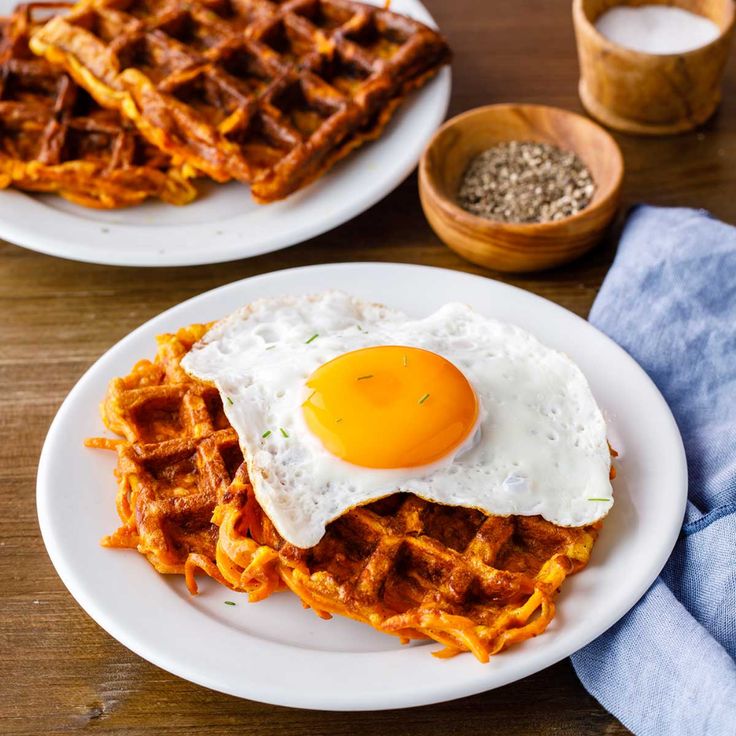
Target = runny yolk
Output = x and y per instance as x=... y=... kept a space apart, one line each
x=390 y=407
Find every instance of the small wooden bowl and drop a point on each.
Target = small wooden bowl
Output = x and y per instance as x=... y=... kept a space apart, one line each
x=651 y=94
x=517 y=247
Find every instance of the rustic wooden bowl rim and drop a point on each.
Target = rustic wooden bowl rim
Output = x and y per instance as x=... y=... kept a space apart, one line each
x=452 y=209
x=582 y=19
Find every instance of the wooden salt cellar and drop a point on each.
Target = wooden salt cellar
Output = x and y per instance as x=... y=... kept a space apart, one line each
x=651 y=94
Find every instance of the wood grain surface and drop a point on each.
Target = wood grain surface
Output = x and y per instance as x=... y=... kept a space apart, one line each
x=60 y=673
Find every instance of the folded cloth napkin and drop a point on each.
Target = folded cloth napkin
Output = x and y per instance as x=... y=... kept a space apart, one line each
x=669 y=666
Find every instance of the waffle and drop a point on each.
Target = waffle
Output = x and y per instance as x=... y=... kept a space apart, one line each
x=266 y=92
x=55 y=138
x=411 y=568
x=177 y=459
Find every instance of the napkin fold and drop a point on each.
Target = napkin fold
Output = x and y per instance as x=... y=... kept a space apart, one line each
x=669 y=666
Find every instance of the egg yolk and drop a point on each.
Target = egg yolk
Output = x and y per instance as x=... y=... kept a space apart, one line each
x=390 y=407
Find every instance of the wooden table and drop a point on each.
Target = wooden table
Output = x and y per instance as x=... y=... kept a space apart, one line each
x=61 y=673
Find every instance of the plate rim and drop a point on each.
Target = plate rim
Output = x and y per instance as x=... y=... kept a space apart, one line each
x=338 y=701
x=51 y=241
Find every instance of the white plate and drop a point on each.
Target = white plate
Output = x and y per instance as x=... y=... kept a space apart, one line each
x=224 y=223
x=277 y=652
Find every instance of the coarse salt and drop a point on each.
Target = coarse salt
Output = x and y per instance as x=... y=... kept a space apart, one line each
x=656 y=29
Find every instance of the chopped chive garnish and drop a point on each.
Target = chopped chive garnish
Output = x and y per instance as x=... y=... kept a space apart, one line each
x=229 y=603
x=270 y=347
x=360 y=328
x=267 y=433
x=362 y=378
x=599 y=499
x=284 y=433
x=229 y=400
x=405 y=361
x=424 y=398
x=337 y=421
x=313 y=338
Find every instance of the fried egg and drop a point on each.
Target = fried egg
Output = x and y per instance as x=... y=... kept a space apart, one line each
x=338 y=402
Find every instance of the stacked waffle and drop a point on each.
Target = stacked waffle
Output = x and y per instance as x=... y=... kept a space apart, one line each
x=55 y=138
x=111 y=101
x=418 y=570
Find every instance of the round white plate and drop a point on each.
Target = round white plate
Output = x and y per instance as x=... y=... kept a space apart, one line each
x=224 y=224
x=277 y=652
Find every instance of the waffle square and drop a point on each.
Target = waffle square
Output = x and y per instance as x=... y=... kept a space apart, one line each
x=411 y=568
x=269 y=93
x=176 y=462
x=55 y=138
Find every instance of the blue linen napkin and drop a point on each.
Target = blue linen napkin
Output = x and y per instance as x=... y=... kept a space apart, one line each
x=669 y=666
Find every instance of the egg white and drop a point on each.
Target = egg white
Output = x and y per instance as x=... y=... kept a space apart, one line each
x=539 y=446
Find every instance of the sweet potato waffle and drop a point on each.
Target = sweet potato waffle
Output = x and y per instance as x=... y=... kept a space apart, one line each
x=55 y=138
x=411 y=568
x=270 y=93
x=408 y=567
x=176 y=461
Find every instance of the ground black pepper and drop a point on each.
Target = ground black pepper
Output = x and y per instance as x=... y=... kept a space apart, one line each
x=524 y=181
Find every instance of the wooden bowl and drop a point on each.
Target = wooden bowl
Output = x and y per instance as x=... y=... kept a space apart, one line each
x=517 y=247
x=651 y=94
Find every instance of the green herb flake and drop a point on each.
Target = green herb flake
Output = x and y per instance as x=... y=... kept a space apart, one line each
x=363 y=378
x=229 y=400
x=270 y=347
x=337 y=421
x=267 y=433
x=313 y=338
x=599 y=499
x=284 y=433
x=423 y=399
x=230 y=603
